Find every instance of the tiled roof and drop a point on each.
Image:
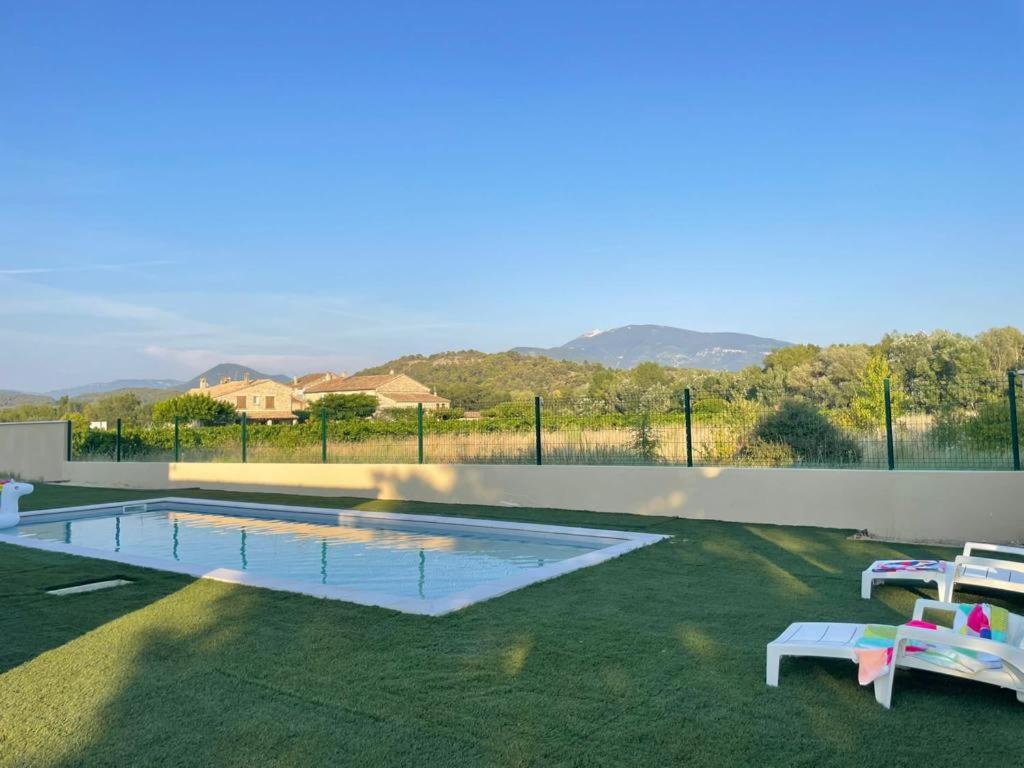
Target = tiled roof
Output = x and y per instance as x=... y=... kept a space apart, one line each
x=219 y=390
x=313 y=378
x=414 y=397
x=353 y=383
x=229 y=387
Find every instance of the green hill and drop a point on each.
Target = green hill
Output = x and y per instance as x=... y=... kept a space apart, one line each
x=473 y=379
x=146 y=395
x=10 y=398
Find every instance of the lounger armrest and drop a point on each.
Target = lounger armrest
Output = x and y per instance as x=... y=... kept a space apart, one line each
x=987 y=562
x=1006 y=549
x=923 y=604
x=1004 y=651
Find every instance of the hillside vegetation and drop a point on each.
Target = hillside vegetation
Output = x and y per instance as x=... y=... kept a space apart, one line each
x=473 y=379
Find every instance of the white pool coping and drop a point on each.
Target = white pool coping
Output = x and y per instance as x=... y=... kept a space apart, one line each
x=627 y=542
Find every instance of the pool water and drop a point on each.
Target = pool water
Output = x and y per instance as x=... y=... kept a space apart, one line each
x=408 y=559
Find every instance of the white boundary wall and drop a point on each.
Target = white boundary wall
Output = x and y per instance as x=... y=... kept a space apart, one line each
x=912 y=506
x=33 y=450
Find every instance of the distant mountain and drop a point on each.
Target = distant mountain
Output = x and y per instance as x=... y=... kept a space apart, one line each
x=631 y=345
x=232 y=371
x=10 y=397
x=101 y=387
x=145 y=394
x=213 y=375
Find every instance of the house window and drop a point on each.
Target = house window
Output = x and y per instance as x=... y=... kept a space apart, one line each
x=240 y=402
x=270 y=402
x=256 y=401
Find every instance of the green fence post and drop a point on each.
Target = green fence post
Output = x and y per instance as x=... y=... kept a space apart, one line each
x=689 y=432
x=536 y=428
x=245 y=438
x=67 y=448
x=117 y=442
x=177 y=439
x=323 y=435
x=889 y=450
x=1011 y=394
x=419 y=432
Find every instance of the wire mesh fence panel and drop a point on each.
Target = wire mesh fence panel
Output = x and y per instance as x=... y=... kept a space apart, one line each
x=632 y=430
x=965 y=429
x=285 y=443
x=499 y=432
x=215 y=442
x=93 y=444
x=792 y=434
x=135 y=442
x=387 y=438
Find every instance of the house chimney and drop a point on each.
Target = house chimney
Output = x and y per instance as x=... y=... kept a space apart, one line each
x=225 y=379
x=203 y=383
x=295 y=379
x=245 y=378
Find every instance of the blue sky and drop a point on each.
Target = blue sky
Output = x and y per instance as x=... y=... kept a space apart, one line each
x=301 y=186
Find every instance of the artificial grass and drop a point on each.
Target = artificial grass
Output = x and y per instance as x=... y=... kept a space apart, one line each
x=656 y=658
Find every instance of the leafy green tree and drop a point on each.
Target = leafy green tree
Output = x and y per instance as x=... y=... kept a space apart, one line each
x=340 y=407
x=119 y=405
x=647 y=375
x=830 y=379
x=1004 y=348
x=868 y=406
x=193 y=408
x=787 y=358
x=941 y=370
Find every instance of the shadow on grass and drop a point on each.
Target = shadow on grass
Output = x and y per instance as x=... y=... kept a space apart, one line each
x=655 y=658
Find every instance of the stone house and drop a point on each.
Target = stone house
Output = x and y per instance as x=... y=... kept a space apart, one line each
x=259 y=399
x=392 y=390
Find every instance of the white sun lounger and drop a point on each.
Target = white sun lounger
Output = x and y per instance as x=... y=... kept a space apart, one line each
x=967 y=570
x=827 y=640
x=988 y=572
x=943 y=580
x=839 y=641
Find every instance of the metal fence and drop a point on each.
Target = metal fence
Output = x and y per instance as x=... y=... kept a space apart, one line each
x=683 y=429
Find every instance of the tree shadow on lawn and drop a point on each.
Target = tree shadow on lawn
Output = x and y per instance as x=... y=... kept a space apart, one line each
x=33 y=622
x=654 y=658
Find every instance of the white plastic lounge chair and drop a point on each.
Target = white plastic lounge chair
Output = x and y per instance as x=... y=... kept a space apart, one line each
x=966 y=570
x=820 y=639
x=990 y=573
x=839 y=641
x=943 y=580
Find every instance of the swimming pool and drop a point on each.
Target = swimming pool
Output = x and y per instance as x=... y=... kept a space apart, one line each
x=411 y=563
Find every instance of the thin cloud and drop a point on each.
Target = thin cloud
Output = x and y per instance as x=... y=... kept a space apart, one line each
x=85 y=268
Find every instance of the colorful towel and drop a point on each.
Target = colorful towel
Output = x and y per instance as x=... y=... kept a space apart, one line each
x=888 y=566
x=875 y=647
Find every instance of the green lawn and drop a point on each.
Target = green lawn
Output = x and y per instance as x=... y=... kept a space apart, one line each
x=656 y=658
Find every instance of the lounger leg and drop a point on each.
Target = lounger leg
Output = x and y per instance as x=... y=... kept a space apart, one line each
x=771 y=676
x=883 y=688
x=946 y=588
x=866 y=582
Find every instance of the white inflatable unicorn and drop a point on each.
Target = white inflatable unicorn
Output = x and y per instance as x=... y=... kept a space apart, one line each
x=10 y=492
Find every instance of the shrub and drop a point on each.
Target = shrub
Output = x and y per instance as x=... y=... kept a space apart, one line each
x=808 y=433
x=337 y=406
x=989 y=428
x=761 y=453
